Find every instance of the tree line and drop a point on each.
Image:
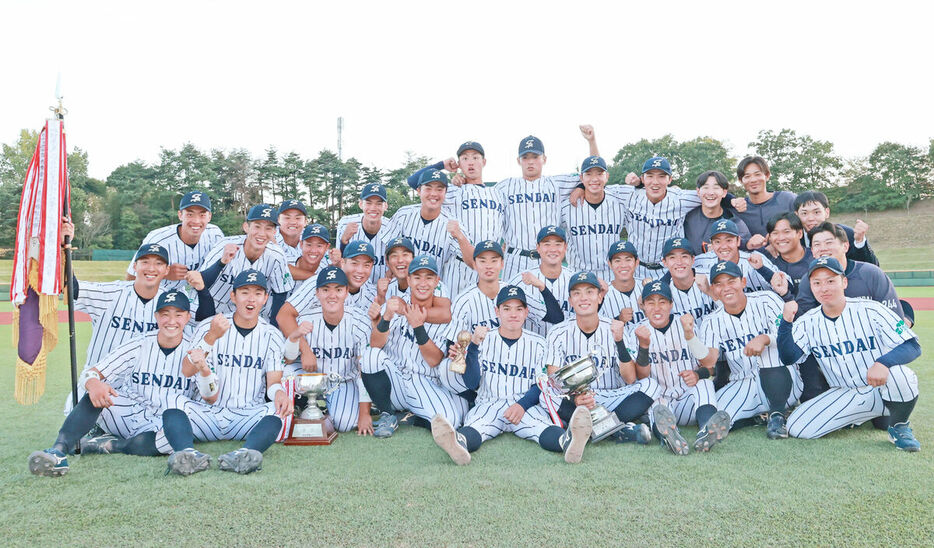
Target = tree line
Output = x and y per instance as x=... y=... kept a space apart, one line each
x=117 y=212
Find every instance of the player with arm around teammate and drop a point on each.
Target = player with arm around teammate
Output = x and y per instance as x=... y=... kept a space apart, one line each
x=548 y=283
x=331 y=342
x=623 y=299
x=813 y=209
x=724 y=243
x=687 y=295
x=314 y=245
x=863 y=349
x=369 y=226
x=503 y=366
x=687 y=392
x=292 y=220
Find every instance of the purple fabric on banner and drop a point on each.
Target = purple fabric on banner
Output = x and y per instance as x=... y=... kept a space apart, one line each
x=30 y=330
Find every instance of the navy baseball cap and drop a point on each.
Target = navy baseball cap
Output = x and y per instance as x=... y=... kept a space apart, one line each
x=657 y=162
x=401 y=241
x=591 y=162
x=672 y=244
x=331 y=275
x=725 y=267
x=470 y=145
x=531 y=144
x=487 y=245
x=359 y=247
x=621 y=247
x=152 y=249
x=509 y=293
x=656 y=287
x=374 y=189
x=263 y=212
x=433 y=176
x=173 y=298
x=292 y=204
x=250 y=277
x=829 y=263
x=723 y=226
x=316 y=231
x=908 y=310
x=584 y=278
x=424 y=262
x=551 y=230
x=195 y=198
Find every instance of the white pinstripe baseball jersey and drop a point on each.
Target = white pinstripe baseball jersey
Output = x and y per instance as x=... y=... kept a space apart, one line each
x=730 y=334
x=387 y=231
x=242 y=361
x=508 y=371
x=615 y=301
x=142 y=372
x=118 y=314
x=648 y=224
x=338 y=350
x=271 y=263
x=313 y=279
x=291 y=253
x=530 y=205
x=473 y=308
x=754 y=281
x=479 y=209
x=693 y=301
x=566 y=343
x=305 y=298
x=668 y=355
x=403 y=350
x=558 y=288
x=591 y=231
x=846 y=347
x=430 y=238
x=180 y=252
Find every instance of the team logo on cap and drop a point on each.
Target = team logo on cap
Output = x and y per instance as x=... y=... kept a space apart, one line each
x=374 y=188
x=551 y=229
x=170 y=297
x=251 y=277
x=361 y=248
x=657 y=163
x=423 y=261
x=513 y=291
x=488 y=245
x=657 y=286
x=331 y=275
x=582 y=276
x=196 y=197
x=154 y=248
x=594 y=161
x=267 y=212
x=676 y=241
x=435 y=174
x=822 y=261
x=720 y=267
x=721 y=225
x=530 y=143
x=467 y=143
x=315 y=229
x=397 y=241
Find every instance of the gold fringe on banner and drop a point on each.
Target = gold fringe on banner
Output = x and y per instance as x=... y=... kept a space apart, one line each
x=30 y=378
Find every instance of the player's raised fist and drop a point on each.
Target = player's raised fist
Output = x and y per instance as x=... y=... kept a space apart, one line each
x=687 y=324
x=644 y=336
x=195 y=280
x=690 y=378
x=349 y=231
x=458 y=179
x=755 y=347
x=756 y=242
x=576 y=197
x=382 y=286
x=859 y=231
x=177 y=271
x=450 y=164
x=454 y=228
x=479 y=334
x=415 y=315
x=529 y=279
x=303 y=329
x=617 y=327
x=230 y=250
x=779 y=283
x=739 y=204
x=789 y=311
x=625 y=315
x=335 y=257
x=373 y=311
x=587 y=132
x=755 y=260
x=877 y=375
x=394 y=305
x=604 y=287
x=219 y=325
x=632 y=179
x=514 y=413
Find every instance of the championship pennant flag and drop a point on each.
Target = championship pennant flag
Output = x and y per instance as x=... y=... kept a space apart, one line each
x=37 y=261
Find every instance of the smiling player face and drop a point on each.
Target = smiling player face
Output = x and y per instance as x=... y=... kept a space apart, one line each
x=711 y=192
x=552 y=250
x=259 y=233
x=398 y=261
x=291 y=223
x=171 y=322
x=825 y=244
x=828 y=287
x=432 y=195
x=726 y=246
x=656 y=184
x=680 y=263
x=754 y=179
x=784 y=238
x=332 y=297
x=313 y=249
x=194 y=220
x=594 y=180
x=373 y=208
x=422 y=284
x=585 y=299
x=150 y=270
x=358 y=270
x=812 y=214
x=512 y=314
x=624 y=266
x=729 y=290
x=657 y=309
x=532 y=165
x=488 y=265
x=249 y=301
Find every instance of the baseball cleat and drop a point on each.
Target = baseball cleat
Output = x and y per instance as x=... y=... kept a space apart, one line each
x=579 y=429
x=99 y=445
x=716 y=429
x=241 y=461
x=632 y=432
x=187 y=462
x=447 y=438
x=904 y=439
x=667 y=426
x=386 y=425
x=776 y=428
x=50 y=463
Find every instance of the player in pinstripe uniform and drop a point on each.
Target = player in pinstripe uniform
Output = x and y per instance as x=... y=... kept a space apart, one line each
x=533 y=201
x=332 y=342
x=594 y=225
x=292 y=220
x=252 y=250
x=624 y=294
x=502 y=365
x=370 y=226
x=687 y=296
x=316 y=239
x=616 y=387
x=550 y=277
x=432 y=231
x=399 y=254
x=743 y=331
x=187 y=242
x=863 y=348
x=724 y=243
x=399 y=368
x=661 y=344
x=126 y=392
x=237 y=362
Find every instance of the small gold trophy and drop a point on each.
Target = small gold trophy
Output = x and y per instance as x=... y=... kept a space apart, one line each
x=459 y=362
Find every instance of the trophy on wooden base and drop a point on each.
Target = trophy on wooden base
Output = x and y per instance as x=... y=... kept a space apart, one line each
x=313 y=426
x=573 y=380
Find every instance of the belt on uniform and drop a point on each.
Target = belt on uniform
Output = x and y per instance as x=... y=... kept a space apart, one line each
x=652 y=266
x=530 y=253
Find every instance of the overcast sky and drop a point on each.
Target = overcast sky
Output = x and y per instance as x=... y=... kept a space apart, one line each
x=425 y=76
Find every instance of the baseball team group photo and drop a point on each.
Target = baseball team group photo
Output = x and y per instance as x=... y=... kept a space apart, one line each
x=653 y=340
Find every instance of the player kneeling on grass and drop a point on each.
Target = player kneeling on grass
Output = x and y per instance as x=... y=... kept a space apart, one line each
x=862 y=348
x=126 y=392
x=502 y=365
x=743 y=331
x=235 y=357
x=687 y=393
x=331 y=341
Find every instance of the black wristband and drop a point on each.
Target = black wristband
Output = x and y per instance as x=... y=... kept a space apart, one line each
x=642 y=358
x=383 y=325
x=421 y=336
x=702 y=373
x=622 y=352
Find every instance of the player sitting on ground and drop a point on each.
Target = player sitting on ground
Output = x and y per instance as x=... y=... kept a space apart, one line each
x=712 y=188
x=863 y=349
x=547 y=282
x=743 y=331
x=292 y=220
x=316 y=240
x=127 y=390
x=332 y=342
x=369 y=226
x=624 y=294
x=502 y=367
x=813 y=209
x=724 y=243
x=687 y=394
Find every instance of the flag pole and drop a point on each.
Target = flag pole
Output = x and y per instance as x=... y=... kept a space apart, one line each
x=69 y=270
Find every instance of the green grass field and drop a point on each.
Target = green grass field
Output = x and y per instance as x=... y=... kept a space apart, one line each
x=850 y=488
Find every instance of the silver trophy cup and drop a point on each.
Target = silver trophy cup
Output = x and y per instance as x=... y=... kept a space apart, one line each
x=315 y=387
x=573 y=380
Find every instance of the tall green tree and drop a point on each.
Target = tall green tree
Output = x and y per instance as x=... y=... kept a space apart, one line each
x=688 y=159
x=905 y=169
x=798 y=162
